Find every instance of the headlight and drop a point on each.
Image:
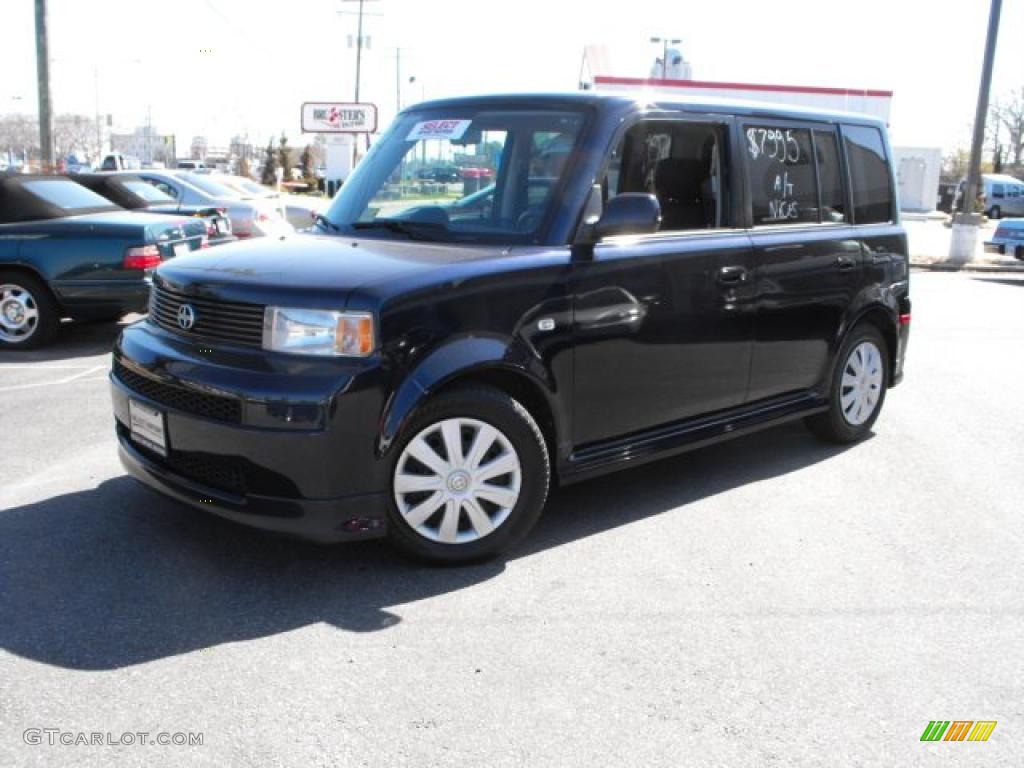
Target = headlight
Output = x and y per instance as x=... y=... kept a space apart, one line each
x=318 y=332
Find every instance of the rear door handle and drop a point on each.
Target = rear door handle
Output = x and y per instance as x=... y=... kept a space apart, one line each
x=846 y=263
x=732 y=275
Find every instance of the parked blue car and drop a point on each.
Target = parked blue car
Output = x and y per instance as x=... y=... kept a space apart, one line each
x=67 y=252
x=1008 y=239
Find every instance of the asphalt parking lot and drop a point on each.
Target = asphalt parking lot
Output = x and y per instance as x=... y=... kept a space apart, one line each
x=771 y=601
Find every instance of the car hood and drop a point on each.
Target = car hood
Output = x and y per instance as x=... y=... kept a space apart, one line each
x=311 y=270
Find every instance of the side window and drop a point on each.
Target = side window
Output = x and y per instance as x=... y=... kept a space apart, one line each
x=869 y=174
x=783 y=188
x=683 y=164
x=830 y=177
x=164 y=187
x=998 y=190
x=1015 y=191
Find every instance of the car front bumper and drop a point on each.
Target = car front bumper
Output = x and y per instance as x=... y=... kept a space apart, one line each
x=272 y=444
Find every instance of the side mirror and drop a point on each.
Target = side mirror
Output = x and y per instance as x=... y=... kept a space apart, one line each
x=631 y=213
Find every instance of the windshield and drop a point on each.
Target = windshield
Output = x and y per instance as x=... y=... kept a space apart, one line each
x=147 y=191
x=248 y=188
x=210 y=187
x=463 y=175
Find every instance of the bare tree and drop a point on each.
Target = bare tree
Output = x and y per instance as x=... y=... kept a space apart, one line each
x=19 y=134
x=73 y=133
x=1009 y=115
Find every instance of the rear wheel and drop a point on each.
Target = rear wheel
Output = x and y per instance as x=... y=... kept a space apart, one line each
x=858 y=388
x=470 y=479
x=996 y=212
x=28 y=314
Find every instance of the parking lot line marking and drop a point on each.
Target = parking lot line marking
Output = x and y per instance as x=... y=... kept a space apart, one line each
x=34 y=367
x=65 y=380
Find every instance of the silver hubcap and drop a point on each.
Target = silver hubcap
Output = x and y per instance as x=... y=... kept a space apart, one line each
x=457 y=481
x=19 y=314
x=862 y=383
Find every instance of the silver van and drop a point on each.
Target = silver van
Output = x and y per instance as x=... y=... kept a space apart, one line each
x=1002 y=195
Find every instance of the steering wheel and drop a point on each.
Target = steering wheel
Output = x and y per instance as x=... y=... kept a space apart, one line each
x=529 y=219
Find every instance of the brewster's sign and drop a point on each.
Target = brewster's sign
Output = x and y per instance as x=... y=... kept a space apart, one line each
x=335 y=117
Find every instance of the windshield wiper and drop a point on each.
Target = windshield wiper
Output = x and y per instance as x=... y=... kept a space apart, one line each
x=323 y=221
x=414 y=230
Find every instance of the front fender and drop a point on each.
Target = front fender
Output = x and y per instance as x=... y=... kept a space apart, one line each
x=455 y=359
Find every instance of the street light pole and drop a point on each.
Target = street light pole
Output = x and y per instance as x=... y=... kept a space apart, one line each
x=43 y=77
x=965 y=225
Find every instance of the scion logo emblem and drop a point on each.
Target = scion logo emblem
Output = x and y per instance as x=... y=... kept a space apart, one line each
x=186 y=317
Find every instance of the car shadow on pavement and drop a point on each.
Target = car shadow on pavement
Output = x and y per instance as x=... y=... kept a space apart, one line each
x=116 y=575
x=75 y=339
x=1001 y=280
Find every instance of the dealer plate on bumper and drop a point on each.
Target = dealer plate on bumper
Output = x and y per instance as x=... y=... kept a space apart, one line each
x=147 y=427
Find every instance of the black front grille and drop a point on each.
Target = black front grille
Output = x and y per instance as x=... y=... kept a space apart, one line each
x=206 y=469
x=216 y=407
x=228 y=321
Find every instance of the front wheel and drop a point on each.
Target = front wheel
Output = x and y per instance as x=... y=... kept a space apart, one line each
x=470 y=479
x=858 y=388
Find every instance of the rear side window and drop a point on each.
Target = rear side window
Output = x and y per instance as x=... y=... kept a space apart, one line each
x=869 y=174
x=998 y=190
x=830 y=177
x=782 y=178
x=67 y=194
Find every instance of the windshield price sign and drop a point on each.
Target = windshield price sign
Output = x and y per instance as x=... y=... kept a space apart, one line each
x=336 y=117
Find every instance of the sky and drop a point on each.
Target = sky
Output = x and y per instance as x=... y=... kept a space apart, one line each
x=224 y=67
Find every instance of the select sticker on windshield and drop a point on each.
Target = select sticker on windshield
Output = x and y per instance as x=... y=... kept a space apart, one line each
x=438 y=129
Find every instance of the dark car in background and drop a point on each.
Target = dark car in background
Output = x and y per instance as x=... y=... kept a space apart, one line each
x=249 y=217
x=441 y=175
x=689 y=272
x=135 y=194
x=67 y=252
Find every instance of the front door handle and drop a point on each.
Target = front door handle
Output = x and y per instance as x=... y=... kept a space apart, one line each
x=732 y=275
x=846 y=263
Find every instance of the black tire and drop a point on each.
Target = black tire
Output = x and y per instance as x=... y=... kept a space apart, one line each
x=835 y=425
x=996 y=212
x=489 y=407
x=34 y=294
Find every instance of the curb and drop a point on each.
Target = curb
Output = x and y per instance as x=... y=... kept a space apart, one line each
x=948 y=266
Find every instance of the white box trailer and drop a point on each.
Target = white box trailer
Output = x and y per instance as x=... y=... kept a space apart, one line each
x=917 y=176
x=869 y=102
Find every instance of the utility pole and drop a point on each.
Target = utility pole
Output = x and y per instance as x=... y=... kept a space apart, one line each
x=359 y=48
x=43 y=76
x=359 y=65
x=965 y=224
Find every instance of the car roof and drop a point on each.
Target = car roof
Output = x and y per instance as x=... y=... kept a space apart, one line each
x=647 y=101
x=1001 y=178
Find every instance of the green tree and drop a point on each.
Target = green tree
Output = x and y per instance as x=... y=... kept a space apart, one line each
x=284 y=157
x=307 y=162
x=269 y=175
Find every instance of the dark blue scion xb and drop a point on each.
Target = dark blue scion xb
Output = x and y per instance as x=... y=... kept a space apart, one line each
x=641 y=278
